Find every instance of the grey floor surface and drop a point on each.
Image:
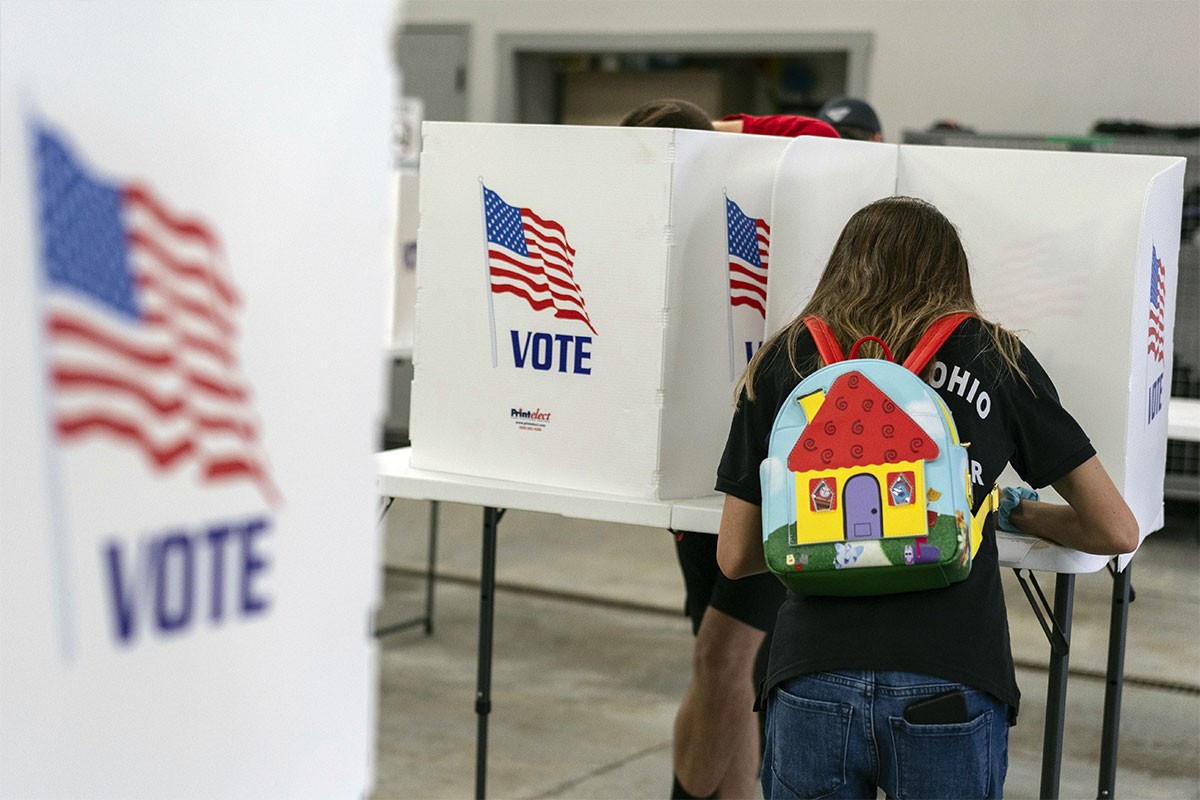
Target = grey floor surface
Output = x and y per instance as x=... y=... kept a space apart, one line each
x=592 y=654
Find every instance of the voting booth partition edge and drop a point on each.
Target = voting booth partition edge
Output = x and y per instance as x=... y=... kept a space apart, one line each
x=1076 y=252
x=586 y=298
x=407 y=183
x=194 y=205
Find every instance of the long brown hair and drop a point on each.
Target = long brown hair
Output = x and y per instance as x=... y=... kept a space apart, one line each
x=668 y=113
x=896 y=268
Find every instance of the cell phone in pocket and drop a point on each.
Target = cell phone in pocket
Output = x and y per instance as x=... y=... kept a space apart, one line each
x=940 y=709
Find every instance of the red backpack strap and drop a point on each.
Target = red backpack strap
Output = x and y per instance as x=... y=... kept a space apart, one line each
x=934 y=338
x=827 y=343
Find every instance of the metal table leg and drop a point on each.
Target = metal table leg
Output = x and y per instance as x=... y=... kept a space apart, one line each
x=426 y=621
x=483 y=690
x=1056 y=624
x=1122 y=596
x=431 y=566
x=1056 y=690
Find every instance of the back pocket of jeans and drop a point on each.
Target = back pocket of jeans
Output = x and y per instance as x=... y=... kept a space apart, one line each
x=810 y=738
x=943 y=761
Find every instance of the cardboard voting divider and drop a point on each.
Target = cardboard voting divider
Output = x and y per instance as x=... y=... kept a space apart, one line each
x=404 y=273
x=1077 y=252
x=586 y=297
x=194 y=202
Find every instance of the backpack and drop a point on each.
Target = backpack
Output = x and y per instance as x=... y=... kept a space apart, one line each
x=866 y=487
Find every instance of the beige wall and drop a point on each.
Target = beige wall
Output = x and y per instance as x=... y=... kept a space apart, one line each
x=1046 y=66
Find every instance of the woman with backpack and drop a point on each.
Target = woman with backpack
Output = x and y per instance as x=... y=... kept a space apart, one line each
x=910 y=692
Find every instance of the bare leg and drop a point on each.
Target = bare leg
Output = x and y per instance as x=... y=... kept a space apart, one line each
x=741 y=778
x=716 y=731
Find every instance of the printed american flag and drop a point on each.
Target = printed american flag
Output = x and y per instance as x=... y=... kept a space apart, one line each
x=140 y=326
x=749 y=240
x=1155 y=343
x=530 y=257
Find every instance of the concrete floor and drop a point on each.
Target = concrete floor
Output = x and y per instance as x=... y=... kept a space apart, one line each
x=592 y=654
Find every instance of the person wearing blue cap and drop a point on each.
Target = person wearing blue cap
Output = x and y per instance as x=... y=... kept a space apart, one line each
x=852 y=119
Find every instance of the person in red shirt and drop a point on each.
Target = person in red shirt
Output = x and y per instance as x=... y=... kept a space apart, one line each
x=717 y=744
x=673 y=113
x=775 y=125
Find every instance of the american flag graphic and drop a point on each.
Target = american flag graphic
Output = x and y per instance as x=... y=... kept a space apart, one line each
x=140 y=326
x=530 y=257
x=749 y=240
x=1155 y=343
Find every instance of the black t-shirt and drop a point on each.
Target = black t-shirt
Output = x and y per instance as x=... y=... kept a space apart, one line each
x=959 y=633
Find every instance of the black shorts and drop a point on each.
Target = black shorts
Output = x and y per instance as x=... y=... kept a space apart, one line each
x=754 y=600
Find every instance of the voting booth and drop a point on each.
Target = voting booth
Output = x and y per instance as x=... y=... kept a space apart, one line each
x=578 y=331
x=1075 y=252
x=194 y=205
x=586 y=298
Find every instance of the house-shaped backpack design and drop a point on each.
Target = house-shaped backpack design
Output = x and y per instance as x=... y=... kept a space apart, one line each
x=866 y=487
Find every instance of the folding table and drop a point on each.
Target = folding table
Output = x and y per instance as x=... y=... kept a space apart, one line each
x=1024 y=554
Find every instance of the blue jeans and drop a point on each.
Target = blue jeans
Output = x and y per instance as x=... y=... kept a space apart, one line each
x=843 y=734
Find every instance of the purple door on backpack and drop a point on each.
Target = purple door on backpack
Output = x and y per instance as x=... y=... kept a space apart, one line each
x=862 y=500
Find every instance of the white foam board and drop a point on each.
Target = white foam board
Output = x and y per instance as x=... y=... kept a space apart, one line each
x=635 y=398
x=1062 y=247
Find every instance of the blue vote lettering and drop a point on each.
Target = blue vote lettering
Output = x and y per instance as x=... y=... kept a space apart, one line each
x=1154 y=399
x=751 y=348
x=162 y=582
x=546 y=352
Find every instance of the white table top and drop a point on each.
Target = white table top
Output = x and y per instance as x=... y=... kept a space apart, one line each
x=398 y=479
x=702 y=514
x=1183 y=419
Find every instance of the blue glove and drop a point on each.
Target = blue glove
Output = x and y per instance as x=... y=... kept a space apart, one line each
x=1010 y=498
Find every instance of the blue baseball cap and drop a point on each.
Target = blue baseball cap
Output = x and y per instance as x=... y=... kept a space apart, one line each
x=850 y=111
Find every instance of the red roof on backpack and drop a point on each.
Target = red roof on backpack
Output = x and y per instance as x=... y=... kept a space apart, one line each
x=858 y=425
